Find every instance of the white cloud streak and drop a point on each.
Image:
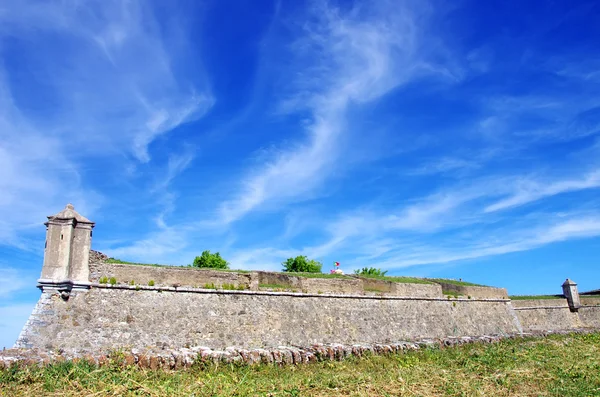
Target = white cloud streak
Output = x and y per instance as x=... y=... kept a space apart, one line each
x=105 y=82
x=355 y=58
x=528 y=191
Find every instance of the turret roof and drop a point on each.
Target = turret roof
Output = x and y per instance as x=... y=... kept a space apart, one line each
x=69 y=213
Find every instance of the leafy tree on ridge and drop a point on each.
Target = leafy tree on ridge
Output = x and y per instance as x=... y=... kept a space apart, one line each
x=302 y=264
x=211 y=261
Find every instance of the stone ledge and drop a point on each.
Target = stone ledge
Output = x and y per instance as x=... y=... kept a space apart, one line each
x=540 y=307
x=284 y=293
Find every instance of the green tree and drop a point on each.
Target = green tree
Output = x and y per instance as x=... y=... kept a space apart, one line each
x=370 y=271
x=212 y=261
x=302 y=264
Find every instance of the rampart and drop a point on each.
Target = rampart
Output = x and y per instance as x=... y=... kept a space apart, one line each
x=556 y=315
x=97 y=306
x=473 y=290
x=174 y=276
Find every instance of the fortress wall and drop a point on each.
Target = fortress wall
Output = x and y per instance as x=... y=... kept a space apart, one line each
x=168 y=275
x=547 y=319
x=273 y=278
x=474 y=291
x=590 y=316
x=554 y=314
x=561 y=302
x=421 y=290
x=590 y=301
x=106 y=317
x=377 y=286
x=198 y=278
x=332 y=285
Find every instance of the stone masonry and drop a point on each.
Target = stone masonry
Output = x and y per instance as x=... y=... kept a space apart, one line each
x=77 y=314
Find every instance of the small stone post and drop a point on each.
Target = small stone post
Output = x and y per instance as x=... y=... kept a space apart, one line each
x=570 y=292
x=67 y=252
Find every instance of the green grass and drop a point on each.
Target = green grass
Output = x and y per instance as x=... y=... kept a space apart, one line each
x=398 y=279
x=456 y=282
x=554 y=366
x=535 y=297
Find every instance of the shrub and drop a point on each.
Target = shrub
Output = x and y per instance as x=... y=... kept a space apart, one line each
x=370 y=271
x=211 y=261
x=113 y=281
x=302 y=264
x=132 y=282
x=103 y=280
x=151 y=283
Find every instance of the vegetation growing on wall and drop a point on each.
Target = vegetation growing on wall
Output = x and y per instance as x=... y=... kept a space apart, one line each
x=210 y=261
x=302 y=264
x=370 y=271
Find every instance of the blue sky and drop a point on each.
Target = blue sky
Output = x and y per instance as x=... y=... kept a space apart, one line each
x=423 y=138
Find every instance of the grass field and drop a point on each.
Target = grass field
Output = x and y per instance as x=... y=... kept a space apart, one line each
x=566 y=365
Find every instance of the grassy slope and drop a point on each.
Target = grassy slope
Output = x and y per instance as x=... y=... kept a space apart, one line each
x=554 y=366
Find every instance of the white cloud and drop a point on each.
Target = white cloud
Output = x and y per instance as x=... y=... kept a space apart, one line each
x=165 y=246
x=111 y=67
x=528 y=191
x=342 y=58
x=104 y=79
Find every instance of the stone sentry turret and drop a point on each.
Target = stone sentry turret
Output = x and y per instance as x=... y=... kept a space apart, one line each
x=570 y=292
x=67 y=252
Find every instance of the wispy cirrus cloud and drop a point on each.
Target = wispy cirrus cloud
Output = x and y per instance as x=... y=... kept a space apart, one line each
x=109 y=81
x=343 y=58
x=527 y=191
x=109 y=66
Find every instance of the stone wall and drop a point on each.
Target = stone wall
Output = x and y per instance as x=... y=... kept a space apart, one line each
x=413 y=289
x=168 y=275
x=198 y=278
x=113 y=317
x=554 y=314
x=473 y=291
x=590 y=300
x=590 y=316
